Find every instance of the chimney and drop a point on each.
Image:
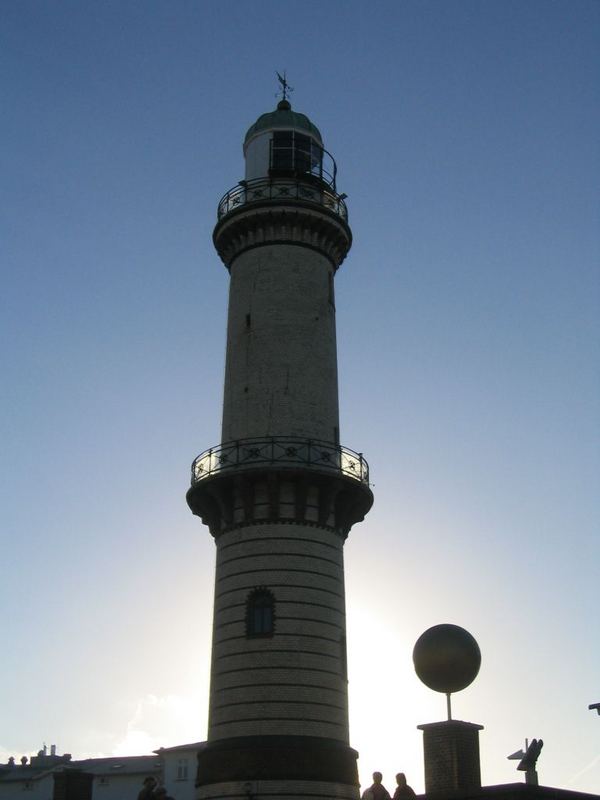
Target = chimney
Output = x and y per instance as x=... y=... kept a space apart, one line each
x=451 y=755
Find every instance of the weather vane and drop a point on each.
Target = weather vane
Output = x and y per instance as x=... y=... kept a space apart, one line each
x=286 y=89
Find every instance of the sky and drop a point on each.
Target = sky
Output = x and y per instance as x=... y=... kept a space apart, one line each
x=466 y=138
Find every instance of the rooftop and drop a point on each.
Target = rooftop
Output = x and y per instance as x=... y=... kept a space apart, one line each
x=283 y=118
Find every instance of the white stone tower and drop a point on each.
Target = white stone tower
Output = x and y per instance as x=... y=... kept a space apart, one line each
x=280 y=494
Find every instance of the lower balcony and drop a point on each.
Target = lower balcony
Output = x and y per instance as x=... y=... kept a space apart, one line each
x=280 y=451
x=280 y=479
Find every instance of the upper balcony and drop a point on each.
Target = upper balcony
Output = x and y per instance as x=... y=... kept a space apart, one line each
x=283 y=190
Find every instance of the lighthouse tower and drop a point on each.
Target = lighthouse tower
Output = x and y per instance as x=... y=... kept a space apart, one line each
x=280 y=493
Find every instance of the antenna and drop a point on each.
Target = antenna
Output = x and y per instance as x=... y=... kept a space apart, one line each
x=528 y=760
x=286 y=89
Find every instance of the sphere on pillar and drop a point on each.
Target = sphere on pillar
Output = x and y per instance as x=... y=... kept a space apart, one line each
x=446 y=658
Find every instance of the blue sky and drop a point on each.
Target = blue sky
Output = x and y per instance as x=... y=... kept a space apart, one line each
x=466 y=136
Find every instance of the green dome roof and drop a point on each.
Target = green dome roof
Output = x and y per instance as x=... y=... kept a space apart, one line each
x=283 y=117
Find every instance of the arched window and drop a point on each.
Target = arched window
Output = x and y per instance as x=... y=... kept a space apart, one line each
x=260 y=613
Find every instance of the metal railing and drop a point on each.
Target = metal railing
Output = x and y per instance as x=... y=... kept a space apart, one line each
x=261 y=189
x=284 y=451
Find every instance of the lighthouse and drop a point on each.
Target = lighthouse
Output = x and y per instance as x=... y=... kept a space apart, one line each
x=279 y=492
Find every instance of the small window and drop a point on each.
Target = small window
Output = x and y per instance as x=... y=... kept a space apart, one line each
x=102 y=781
x=343 y=657
x=260 y=613
x=331 y=290
x=182 y=769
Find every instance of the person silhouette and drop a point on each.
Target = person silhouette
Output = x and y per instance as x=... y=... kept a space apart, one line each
x=149 y=785
x=377 y=790
x=403 y=790
x=162 y=794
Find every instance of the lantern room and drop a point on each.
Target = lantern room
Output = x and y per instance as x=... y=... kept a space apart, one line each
x=286 y=144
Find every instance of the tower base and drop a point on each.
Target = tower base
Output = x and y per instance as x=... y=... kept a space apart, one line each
x=277 y=767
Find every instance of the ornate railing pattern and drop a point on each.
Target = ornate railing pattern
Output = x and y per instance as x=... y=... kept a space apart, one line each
x=278 y=450
x=262 y=189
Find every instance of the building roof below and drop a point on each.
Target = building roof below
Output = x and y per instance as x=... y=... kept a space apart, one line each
x=179 y=747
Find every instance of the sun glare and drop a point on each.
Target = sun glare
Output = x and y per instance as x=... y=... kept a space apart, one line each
x=387 y=701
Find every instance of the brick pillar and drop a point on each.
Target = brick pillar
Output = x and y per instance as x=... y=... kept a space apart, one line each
x=451 y=754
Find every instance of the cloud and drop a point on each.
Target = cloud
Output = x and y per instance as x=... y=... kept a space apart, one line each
x=160 y=722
